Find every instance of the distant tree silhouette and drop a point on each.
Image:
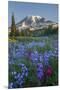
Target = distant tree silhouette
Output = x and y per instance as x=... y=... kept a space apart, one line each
x=13 y=27
x=14 y=32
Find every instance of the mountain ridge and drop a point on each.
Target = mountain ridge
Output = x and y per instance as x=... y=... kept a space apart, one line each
x=34 y=22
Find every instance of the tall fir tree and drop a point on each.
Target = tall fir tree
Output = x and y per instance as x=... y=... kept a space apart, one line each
x=13 y=27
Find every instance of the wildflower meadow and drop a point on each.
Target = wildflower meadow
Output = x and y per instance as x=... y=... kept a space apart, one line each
x=33 y=62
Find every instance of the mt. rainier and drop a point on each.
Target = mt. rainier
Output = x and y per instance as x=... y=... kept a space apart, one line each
x=34 y=23
x=31 y=21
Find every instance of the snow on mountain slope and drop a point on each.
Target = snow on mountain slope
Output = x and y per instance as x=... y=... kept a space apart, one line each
x=30 y=21
x=34 y=23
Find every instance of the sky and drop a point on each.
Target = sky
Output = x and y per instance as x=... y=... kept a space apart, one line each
x=23 y=9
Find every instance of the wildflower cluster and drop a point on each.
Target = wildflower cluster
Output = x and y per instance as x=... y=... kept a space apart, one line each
x=19 y=77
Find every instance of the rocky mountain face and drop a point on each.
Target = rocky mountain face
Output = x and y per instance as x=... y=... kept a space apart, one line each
x=34 y=23
x=30 y=20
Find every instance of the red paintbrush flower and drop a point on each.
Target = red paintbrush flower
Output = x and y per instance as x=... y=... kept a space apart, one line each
x=49 y=71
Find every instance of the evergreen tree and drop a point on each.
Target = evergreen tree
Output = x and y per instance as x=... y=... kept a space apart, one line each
x=13 y=27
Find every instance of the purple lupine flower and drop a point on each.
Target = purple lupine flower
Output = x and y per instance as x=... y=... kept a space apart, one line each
x=50 y=53
x=21 y=65
x=39 y=65
x=41 y=44
x=40 y=72
x=22 y=76
x=55 y=53
x=46 y=59
x=34 y=56
x=41 y=58
x=11 y=85
x=26 y=72
x=19 y=77
x=20 y=52
x=31 y=44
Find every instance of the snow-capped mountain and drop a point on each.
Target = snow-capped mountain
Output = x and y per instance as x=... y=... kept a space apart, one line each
x=31 y=21
x=34 y=23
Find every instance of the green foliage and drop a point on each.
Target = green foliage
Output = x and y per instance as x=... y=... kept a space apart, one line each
x=17 y=33
x=46 y=31
x=53 y=80
x=50 y=30
x=13 y=32
x=13 y=26
x=25 y=32
x=37 y=33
